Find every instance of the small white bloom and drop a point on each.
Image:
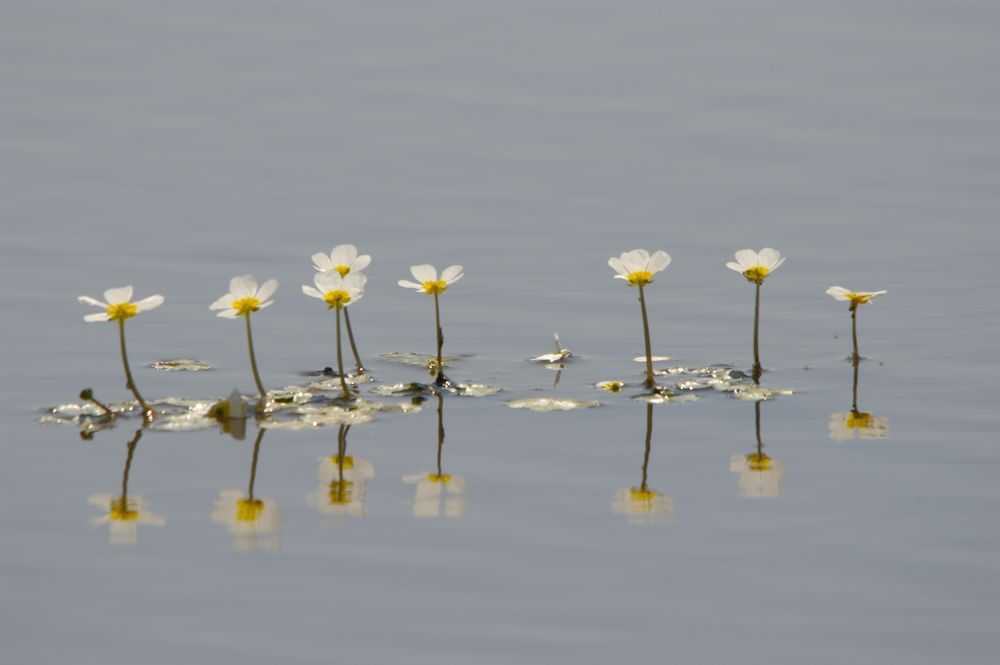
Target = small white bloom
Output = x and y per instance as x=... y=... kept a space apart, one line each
x=245 y=297
x=343 y=259
x=756 y=266
x=118 y=306
x=559 y=354
x=638 y=267
x=854 y=297
x=338 y=292
x=427 y=278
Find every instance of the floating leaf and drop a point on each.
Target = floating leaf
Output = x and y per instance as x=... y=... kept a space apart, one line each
x=655 y=359
x=754 y=393
x=181 y=365
x=415 y=359
x=546 y=404
x=476 y=390
x=665 y=398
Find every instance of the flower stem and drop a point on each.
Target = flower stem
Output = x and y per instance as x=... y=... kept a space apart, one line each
x=129 y=383
x=757 y=369
x=253 y=462
x=856 y=358
x=649 y=439
x=128 y=466
x=854 y=390
x=649 y=383
x=253 y=366
x=354 y=348
x=441 y=379
x=340 y=361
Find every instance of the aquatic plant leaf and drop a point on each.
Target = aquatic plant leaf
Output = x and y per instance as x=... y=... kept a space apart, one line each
x=415 y=359
x=546 y=404
x=181 y=365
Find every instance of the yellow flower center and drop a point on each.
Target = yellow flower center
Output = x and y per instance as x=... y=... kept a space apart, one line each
x=433 y=286
x=613 y=386
x=640 y=495
x=120 y=511
x=348 y=461
x=249 y=510
x=756 y=274
x=343 y=270
x=858 y=420
x=858 y=298
x=338 y=298
x=443 y=478
x=340 y=492
x=122 y=311
x=759 y=462
x=244 y=306
x=639 y=278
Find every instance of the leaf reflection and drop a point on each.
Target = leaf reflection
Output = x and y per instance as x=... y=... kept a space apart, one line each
x=254 y=522
x=643 y=505
x=125 y=512
x=437 y=493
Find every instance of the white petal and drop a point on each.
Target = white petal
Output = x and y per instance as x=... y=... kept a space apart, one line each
x=635 y=260
x=266 y=303
x=617 y=266
x=732 y=265
x=354 y=282
x=146 y=304
x=361 y=263
x=451 y=273
x=778 y=264
x=244 y=286
x=769 y=258
x=342 y=255
x=328 y=281
x=118 y=295
x=356 y=296
x=87 y=300
x=878 y=293
x=229 y=314
x=658 y=261
x=267 y=289
x=310 y=291
x=747 y=258
x=456 y=278
x=838 y=292
x=100 y=316
x=424 y=273
x=223 y=303
x=407 y=284
x=322 y=262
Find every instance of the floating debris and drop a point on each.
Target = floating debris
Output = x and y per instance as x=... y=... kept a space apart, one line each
x=546 y=404
x=558 y=355
x=181 y=365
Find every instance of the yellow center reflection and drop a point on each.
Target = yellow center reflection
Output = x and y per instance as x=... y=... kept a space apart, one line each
x=249 y=510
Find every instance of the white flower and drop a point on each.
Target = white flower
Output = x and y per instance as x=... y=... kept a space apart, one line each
x=427 y=278
x=118 y=307
x=245 y=297
x=431 y=489
x=638 y=267
x=251 y=521
x=854 y=297
x=642 y=506
x=343 y=259
x=756 y=266
x=760 y=476
x=123 y=517
x=559 y=354
x=338 y=292
x=846 y=425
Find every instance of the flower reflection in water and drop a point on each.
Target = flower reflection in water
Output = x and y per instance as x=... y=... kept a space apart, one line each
x=437 y=493
x=759 y=474
x=343 y=480
x=847 y=425
x=643 y=505
x=254 y=522
x=125 y=512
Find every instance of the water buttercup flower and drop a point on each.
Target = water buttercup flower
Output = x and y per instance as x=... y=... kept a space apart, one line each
x=119 y=308
x=638 y=268
x=429 y=283
x=756 y=266
x=338 y=292
x=245 y=298
x=343 y=259
x=854 y=297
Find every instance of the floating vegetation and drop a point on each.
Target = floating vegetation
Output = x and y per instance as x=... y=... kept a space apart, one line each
x=559 y=354
x=546 y=404
x=655 y=359
x=475 y=390
x=315 y=417
x=333 y=384
x=665 y=397
x=755 y=393
x=416 y=359
x=414 y=389
x=611 y=386
x=181 y=365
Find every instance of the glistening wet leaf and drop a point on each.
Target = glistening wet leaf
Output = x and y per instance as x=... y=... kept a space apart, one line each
x=181 y=365
x=546 y=404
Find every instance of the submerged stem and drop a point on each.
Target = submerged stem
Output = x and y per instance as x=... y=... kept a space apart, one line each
x=757 y=369
x=649 y=383
x=340 y=360
x=354 y=348
x=253 y=364
x=129 y=383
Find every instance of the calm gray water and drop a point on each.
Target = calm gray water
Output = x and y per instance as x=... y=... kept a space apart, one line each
x=174 y=145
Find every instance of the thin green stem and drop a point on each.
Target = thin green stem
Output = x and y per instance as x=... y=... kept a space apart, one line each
x=757 y=369
x=649 y=383
x=253 y=462
x=854 y=389
x=649 y=440
x=129 y=383
x=854 y=333
x=340 y=361
x=253 y=363
x=441 y=379
x=354 y=348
